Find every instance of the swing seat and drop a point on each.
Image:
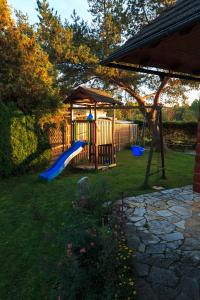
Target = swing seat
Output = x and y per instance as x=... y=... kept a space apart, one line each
x=137 y=150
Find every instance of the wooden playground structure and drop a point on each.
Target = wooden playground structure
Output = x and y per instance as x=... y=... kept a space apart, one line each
x=99 y=134
x=100 y=152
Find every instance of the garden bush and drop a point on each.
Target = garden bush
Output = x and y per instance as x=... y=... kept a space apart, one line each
x=96 y=263
x=177 y=131
x=5 y=143
x=23 y=144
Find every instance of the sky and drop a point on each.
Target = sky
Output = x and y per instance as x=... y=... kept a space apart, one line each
x=64 y=8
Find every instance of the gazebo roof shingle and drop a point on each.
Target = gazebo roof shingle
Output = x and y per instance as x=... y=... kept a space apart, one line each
x=90 y=96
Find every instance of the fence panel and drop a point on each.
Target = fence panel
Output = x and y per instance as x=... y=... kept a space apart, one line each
x=125 y=134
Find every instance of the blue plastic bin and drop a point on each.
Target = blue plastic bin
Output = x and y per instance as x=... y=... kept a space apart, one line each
x=137 y=150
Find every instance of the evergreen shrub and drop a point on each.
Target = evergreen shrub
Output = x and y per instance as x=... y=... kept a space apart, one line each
x=23 y=144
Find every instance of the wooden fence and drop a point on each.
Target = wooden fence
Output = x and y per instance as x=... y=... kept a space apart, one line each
x=125 y=133
x=60 y=136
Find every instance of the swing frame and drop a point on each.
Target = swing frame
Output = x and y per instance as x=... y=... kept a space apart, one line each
x=158 y=124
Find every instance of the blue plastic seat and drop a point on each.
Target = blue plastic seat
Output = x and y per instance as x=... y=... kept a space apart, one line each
x=137 y=150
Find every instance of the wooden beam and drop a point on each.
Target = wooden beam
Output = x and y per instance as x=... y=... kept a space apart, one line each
x=182 y=76
x=115 y=107
x=96 y=139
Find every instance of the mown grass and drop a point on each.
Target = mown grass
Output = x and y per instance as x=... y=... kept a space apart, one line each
x=32 y=213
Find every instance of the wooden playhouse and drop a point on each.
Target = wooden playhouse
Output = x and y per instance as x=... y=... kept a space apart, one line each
x=89 y=123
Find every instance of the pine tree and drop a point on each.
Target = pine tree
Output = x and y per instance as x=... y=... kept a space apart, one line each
x=109 y=21
x=142 y=12
x=52 y=35
x=64 y=46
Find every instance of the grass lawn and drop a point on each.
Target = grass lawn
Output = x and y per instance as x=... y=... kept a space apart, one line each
x=32 y=213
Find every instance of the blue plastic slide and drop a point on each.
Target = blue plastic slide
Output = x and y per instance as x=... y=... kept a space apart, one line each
x=63 y=161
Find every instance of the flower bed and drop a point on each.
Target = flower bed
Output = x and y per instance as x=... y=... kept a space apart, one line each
x=96 y=263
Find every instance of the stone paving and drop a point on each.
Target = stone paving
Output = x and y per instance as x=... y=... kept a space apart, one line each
x=163 y=228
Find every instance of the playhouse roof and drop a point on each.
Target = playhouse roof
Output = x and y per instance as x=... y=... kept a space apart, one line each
x=171 y=42
x=85 y=96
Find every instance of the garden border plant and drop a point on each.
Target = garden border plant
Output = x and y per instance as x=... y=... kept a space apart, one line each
x=97 y=263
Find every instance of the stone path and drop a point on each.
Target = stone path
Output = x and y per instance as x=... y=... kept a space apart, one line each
x=164 y=230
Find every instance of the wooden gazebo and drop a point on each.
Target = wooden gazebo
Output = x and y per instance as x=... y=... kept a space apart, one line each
x=100 y=148
x=168 y=47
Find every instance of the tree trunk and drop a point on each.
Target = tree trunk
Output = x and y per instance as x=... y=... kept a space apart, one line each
x=150 y=115
x=142 y=100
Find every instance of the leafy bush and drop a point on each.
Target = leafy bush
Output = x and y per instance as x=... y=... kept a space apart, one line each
x=177 y=130
x=5 y=144
x=23 y=144
x=23 y=138
x=189 y=128
x=97 y=263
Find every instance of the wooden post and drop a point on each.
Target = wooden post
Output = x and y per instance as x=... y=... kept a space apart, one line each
x=63 y=136
x=71 y=123
x=119 y=130
x=162 y=146
x=96 y=138
x=113 y=138
x=90 y=132
x=196 y=180
x=148 y=169
x=72 y=129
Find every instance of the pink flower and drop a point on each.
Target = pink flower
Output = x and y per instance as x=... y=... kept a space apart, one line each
x=92 y=244
x=82 y=250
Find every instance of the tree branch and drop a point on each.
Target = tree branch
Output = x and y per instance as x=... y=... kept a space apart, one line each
x=129 y=90
x=158 y=93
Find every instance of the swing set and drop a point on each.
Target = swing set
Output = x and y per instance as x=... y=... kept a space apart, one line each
x=139 y=148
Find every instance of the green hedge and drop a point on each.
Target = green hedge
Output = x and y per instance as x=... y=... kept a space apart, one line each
x=5 y=144
x=176 y=124
x=190 y=128
x=182 y=131
x=23 y=145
